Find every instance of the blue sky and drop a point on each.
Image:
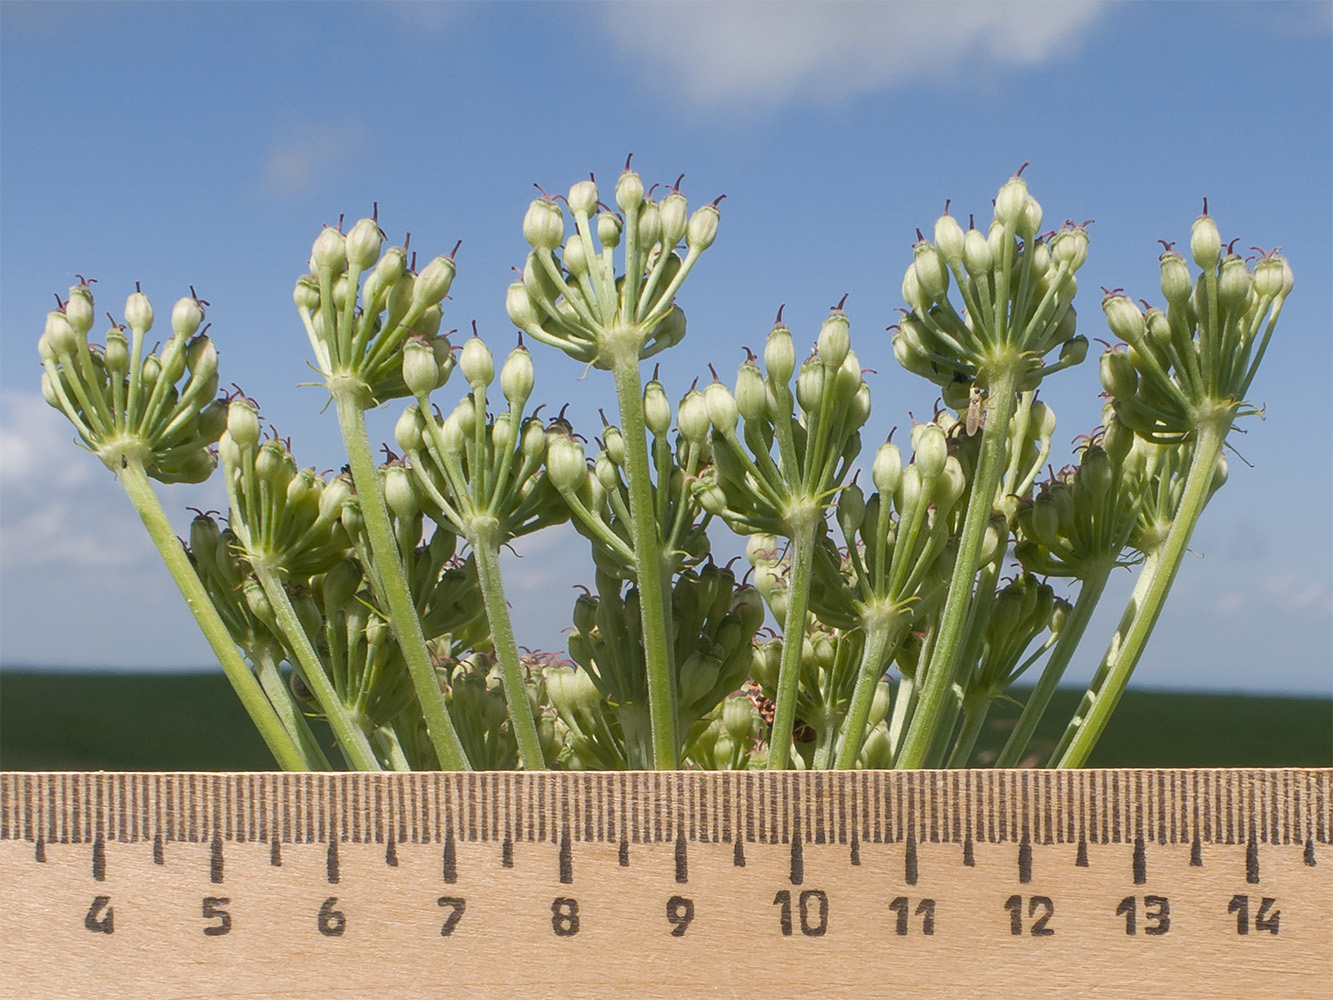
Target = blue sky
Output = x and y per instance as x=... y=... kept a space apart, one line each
x=205 y=144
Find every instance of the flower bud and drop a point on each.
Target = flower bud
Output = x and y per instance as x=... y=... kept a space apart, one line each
x=675 y=215
x=722 y=409
x=1118 y=375
x=1095 y=474
x=738 y=718
x=565 y=462
x=1030 y=224
x=518 y=304
x=400 y=493
x=476 y=363
x=629 y=191
x=408 y=430
x=336 y=494
x=702 y=230
x=1270 y=277
x=931 y=274
x=949 y=239
x=243 y=422
x=79 y=309
x=834 y=340
x=1234 y=283
x=810 y=385
x=608 y=230
x=1070 y=247
x=692 y=417
x=650 y=226
x=1011 y=204
x=779 y=355
x=977 y=257
x=434 y=281
x=656 y=408
x=544 y=225
x=139 y=313
x=363 y=245
x=887 y=469
x=1205 y=243
x=421 y=372
x=1176 y=283
x=306 y=293
x=613 y=446
x=329 y=254
x=851 y=510
x=1124 y=319
x=582 y=198
x=516 y=377
x=116 y=357
x=930 y=448
x=751 y=393
x=59 y=338
x=574 y=257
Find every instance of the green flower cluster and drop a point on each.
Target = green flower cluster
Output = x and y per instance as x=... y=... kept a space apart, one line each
x=373 y=599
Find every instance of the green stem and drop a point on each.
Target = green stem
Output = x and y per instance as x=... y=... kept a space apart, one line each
x=1212 y=434
x=140 y=491
x=1090 y=592
x=506 y=650
x=280 y=697
x=349 y=732
x=654 y=611
x=389 y=568
x=803 y=519
x=990 y=467
x=882 y=634
x=974 y=720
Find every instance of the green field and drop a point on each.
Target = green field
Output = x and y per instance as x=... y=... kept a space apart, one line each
x=59 y=720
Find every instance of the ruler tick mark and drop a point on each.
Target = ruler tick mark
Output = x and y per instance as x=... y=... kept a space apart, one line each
x=797 y=860
x=969 y=859
x=1196 y=852
x=682 y=865
x=215 y=858
x=622 y=855
x=99 y=859
x=738 y=853
x=856 y=849
x=391 y=852
x=331 y=862
x=449 y=866
x=1025 y=862
x=39 y=849
x=275 y=853
x=507 y=852
x=1309 y=852
x=566 y=859
x=1081 y=856
x=909 y=861
x=1140 y=861
x=1252 y=861
x=159 y=857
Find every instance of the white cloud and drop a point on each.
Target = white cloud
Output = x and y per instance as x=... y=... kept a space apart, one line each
x=764 y=53
x=306 y=153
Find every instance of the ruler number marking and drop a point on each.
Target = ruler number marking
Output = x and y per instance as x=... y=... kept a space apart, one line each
x=809 y=927
x=456 y=904
x=97 y=921
x=1156 y=914
x=925 y=909
x=1265 y=918
x=679 y=913
x=331 y=922
x=213 y=910
x=565 y=916
x=1014 y=904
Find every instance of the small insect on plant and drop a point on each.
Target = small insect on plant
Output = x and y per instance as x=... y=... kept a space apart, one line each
x=976 y=410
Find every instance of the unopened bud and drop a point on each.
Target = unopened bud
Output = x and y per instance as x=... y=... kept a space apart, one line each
x=476 y=363
x=139 y=313
x=1234 y=283
x=421 y=372
x=722 y=409
x=751 y=393
x=629 y=191
x=675 y=216
x=79 y=309
x=1124 y=318
x=243 y=422
x=931 y=274
x=608 y=229
x=544 y=225
x=949 y=239
x=582 y=199
x=977 y=256
x=887 y=469
x=329 y=254
x=930 y=448
x=779 y=355
x=363 y=245
x=565 y=462
x=656 y=408
x=1176 y=283
x=1205 y=243
x=1011 y=204
x=834 y=340
x=434 y=282
x=516 y=377
x=702 y=230
x=692 y=417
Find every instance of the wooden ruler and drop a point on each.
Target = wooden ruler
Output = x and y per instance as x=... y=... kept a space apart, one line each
x=1117 y=883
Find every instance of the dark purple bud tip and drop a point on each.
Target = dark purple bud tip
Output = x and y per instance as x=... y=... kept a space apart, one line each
x=1019 y=171
x=841 y=302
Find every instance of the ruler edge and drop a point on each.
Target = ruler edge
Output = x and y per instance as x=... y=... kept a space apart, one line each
x=1114 y=806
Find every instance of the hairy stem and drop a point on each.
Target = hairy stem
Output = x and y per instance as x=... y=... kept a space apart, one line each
x=804 y=519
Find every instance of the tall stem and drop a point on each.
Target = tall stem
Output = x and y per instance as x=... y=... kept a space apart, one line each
x=389 y=568
x=1212 y=434
x=280 y=743
x=487 y=555
x=803 y=517
x=990 y=467
x=1090 y=592
x=882 y=634
x=348 y=730
x=654 y=611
